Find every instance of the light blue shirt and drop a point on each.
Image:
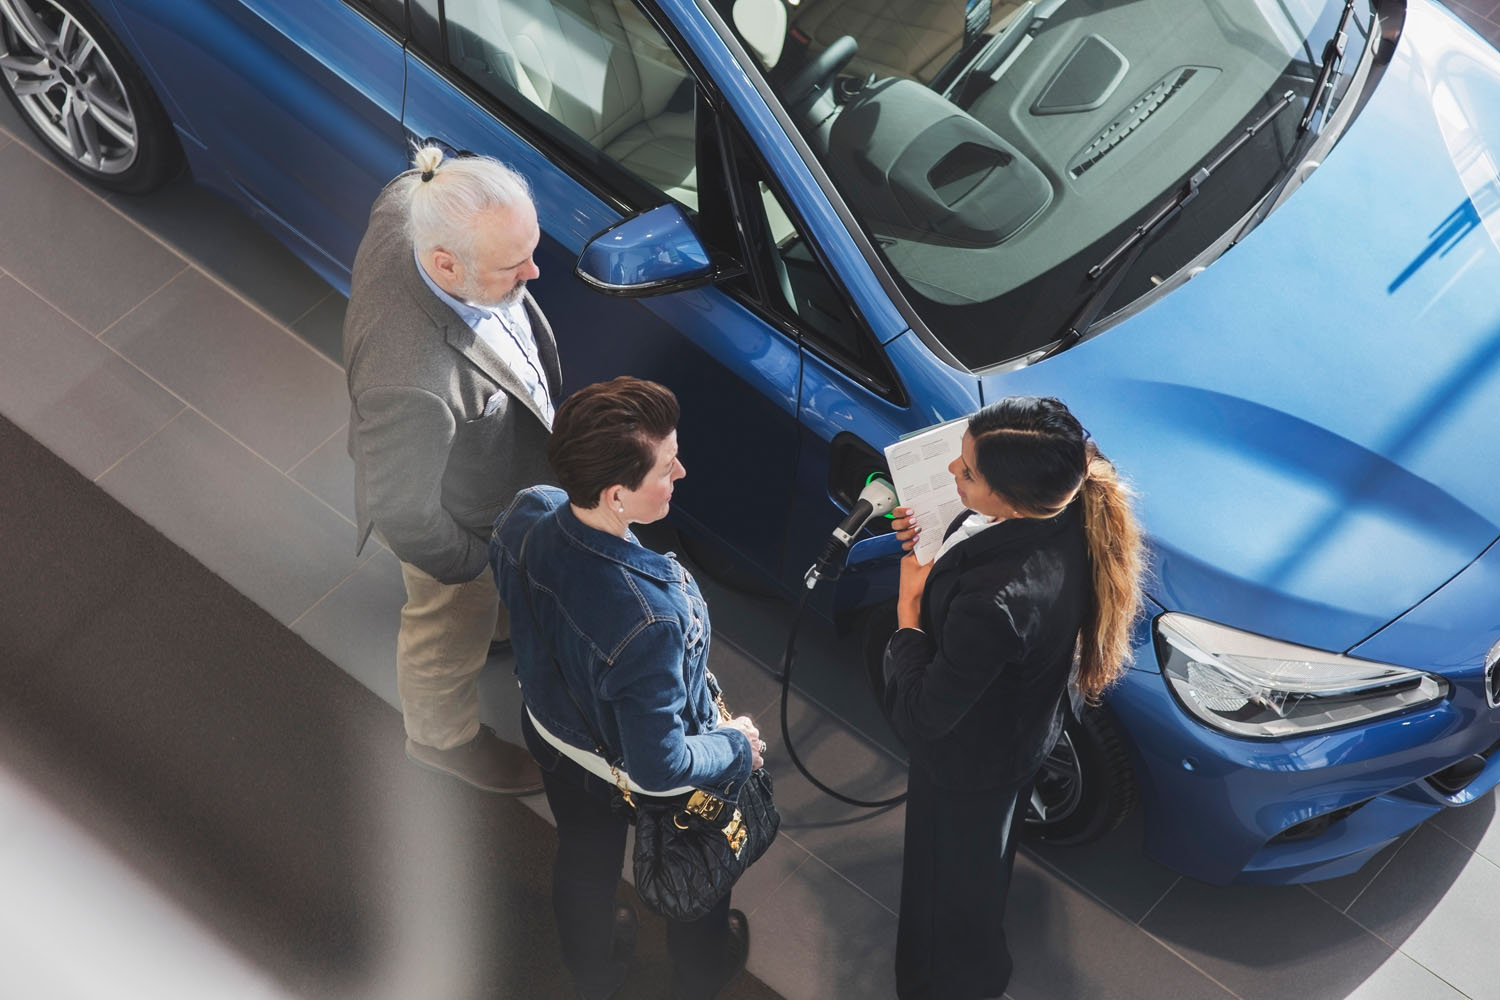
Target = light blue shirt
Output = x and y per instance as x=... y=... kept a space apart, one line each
x=507 y=330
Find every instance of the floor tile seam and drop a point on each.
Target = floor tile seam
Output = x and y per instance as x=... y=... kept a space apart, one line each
x=284 y=328
x=148 y=439
x=1047 y=866
x=1466 y=7
x=774 y=705
x=1435 y=974
x=1460 y=843
x=74 y=320
x=44 y=301
x=812 y=856
x=1350 y=917
x=1393 y=945
x=191 y=261
x=188 y=406
x=309 y=310
x=186 y=267
x=806 y=857
x=1185 y=960
x=1137 y=925
x=341 y=429
x=314 y=605
x=1405 y=839
x=1159 y=900
x=93 y=193
x=845 y=723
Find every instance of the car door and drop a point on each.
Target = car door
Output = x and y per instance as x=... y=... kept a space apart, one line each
x=293 y=106
x=591 y=101
x=856 y=396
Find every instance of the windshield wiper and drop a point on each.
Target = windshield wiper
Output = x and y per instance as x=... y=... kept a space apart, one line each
x=1131 y=247
x=1333 y=60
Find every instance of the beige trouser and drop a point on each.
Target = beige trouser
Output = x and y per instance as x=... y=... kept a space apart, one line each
x=445 y=636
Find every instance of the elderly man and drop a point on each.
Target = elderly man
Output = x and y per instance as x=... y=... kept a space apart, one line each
x=453 y=373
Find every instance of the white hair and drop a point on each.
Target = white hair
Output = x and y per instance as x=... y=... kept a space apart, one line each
x=448 y=195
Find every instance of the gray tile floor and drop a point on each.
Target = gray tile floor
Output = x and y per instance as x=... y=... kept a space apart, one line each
x=175 y=354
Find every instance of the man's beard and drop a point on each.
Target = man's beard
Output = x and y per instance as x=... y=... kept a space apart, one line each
x=507 y=300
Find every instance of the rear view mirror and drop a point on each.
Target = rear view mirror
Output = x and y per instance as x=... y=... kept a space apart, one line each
x=656 y=251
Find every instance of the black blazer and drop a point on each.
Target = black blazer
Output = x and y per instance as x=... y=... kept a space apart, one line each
x=976 y=694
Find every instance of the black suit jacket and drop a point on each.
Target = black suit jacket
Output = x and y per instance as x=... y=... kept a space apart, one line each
x=976 y=693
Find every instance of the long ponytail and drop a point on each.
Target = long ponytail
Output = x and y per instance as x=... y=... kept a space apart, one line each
x=1115 y=557
x=1036 y=454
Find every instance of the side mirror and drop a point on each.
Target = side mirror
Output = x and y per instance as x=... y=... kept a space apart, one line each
x=646 y=254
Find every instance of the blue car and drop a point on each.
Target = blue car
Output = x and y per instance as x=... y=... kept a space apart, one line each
x=1254 y=244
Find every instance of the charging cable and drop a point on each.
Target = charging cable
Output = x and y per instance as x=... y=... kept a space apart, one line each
x=877 y=498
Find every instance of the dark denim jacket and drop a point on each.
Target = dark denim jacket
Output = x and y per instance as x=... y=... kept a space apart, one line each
x=630 y=630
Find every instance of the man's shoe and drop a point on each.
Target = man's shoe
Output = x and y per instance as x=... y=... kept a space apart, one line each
x=487 y=762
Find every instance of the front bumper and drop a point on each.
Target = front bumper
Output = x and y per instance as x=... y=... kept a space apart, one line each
x=1223 y=809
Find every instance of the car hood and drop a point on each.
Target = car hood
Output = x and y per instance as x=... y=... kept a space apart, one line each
x=1311 y=422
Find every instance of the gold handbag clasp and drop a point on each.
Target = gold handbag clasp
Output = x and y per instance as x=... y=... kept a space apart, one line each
x=736 y=834
x=705 y=806
x=709 y=808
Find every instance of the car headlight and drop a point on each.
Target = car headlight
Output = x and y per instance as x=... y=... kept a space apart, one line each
x=1249 y=685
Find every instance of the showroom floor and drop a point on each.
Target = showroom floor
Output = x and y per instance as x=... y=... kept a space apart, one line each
x=181 y=359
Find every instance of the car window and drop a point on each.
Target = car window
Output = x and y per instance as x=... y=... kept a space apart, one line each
x=801 y=291
x=392 y=12
x=598 y=69
x=994 y=152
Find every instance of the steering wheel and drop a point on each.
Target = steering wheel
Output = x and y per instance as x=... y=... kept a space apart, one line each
x=812 y=79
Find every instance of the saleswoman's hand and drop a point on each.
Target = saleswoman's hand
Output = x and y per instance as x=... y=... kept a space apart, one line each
x=905 y=526
x=909 y=597
x=757 y=745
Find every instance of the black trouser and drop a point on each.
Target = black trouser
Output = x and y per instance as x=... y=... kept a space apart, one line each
x=955 y=875
x=585 y=874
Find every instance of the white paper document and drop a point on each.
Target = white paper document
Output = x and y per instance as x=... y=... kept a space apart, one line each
x=919 y=471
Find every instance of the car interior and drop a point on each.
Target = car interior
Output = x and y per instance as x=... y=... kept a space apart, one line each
x=598 y=67
x=980 y=164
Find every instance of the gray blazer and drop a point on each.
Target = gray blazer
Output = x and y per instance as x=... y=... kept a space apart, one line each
x=431 y=471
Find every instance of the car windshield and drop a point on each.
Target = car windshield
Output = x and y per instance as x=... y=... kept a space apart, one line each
x=994 y=151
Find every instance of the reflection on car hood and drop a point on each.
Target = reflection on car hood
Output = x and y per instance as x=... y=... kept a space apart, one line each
x=1312 y=421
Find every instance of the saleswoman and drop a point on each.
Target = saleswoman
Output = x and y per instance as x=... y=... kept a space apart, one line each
x=1042 y=566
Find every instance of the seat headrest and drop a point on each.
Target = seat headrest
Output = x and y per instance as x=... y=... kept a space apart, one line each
x=762 y=24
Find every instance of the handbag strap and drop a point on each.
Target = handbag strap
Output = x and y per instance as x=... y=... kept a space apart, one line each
x=700 y=803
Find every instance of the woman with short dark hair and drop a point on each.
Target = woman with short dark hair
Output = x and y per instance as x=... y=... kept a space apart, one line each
x=611 y=643
x=1040 y=572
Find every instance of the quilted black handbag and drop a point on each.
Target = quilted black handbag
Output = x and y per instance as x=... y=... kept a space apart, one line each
x=689 y=853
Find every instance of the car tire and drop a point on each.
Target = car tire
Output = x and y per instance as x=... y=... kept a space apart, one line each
x=79 y=90
x=1085 y=787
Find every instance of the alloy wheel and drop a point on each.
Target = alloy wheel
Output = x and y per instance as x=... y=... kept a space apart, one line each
x=1059 y=784
x=66 y=85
